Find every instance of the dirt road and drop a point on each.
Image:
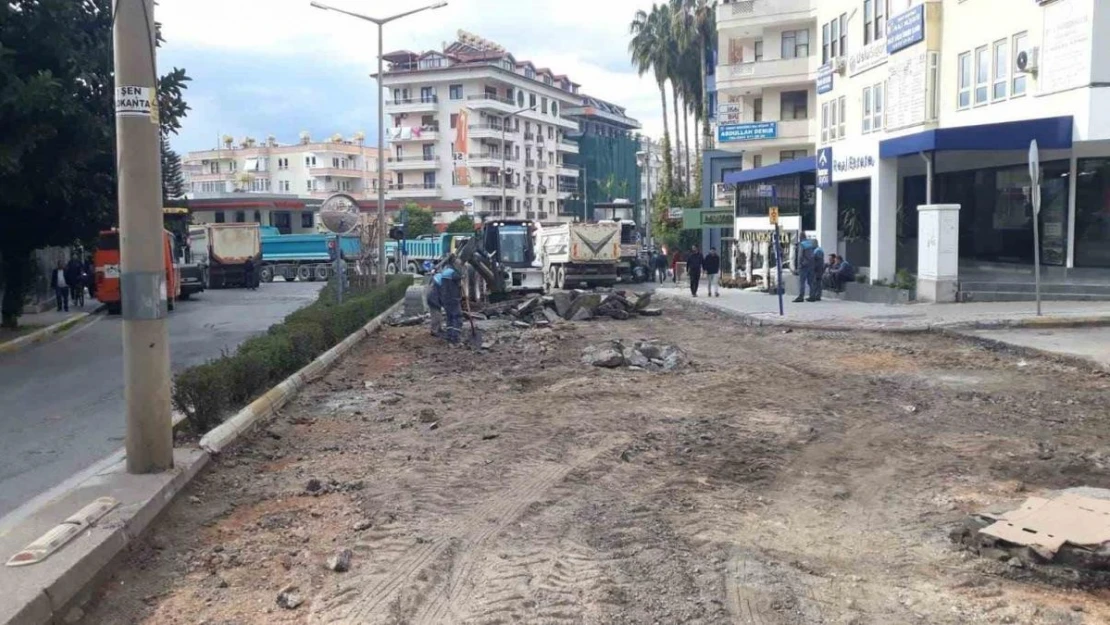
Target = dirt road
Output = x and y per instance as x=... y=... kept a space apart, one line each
x=780 y=478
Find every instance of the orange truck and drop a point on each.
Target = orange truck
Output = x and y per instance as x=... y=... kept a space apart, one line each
x=106 y=261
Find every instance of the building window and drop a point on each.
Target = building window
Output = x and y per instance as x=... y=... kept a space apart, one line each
x=868 y=23
x=795 y=105
x=306 y=220
x=757 y=161
x=1019 y=78
x=308 y=185
x=427 y=94
x=456 y=92
x=795 y=44
x=825 y=122
x=520 y=99
x=555 y=108
x=429 y=180
x=880 y=18
x=283 y=163
x=454 y=120
x=1001 y=69
x=843 y=117
x=551 y=132
x=982 y=74
x=220 y=217
x=757 y=109
x=964 y=99
x=758 y=50
x=284 y=186
x=834 y=39
x=877 y=119
x=825 y=42
x=310 y=161
x=543 y=107
x=532 y=100
x=791 y=155
x=867 y=103
x=843 y=34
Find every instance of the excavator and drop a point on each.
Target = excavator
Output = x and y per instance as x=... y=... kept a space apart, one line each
x=500 y=259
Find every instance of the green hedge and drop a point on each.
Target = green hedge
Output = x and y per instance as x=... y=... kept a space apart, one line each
x=206 y=393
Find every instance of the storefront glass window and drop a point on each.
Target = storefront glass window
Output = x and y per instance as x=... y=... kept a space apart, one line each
x=1092 y=213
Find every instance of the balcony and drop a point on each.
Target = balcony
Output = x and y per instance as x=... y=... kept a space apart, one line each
x=423 y=104
x=529 y=137
x=751 y=17
x=546 y=118
x=492 y=102
x=489 y=188
x=212 y=177
x=412 y=163
x=421 y=134
x=530 y=163
x=489 y=131
x=414 y=190
x=569 y=172
x=485 y=159
x=336 y=172
x=752 y=78
x=541 y=165
x=569 y=147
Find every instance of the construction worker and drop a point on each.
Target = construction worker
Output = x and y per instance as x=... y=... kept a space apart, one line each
x=450 y=297
x=435 y=308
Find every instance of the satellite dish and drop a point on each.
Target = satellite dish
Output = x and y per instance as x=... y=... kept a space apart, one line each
x=339 y=213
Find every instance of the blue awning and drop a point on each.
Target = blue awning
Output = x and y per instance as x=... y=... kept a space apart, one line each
x=1051 y=133
x=785 y=168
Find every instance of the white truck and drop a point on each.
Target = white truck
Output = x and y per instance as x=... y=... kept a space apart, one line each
x=228 y=248
x=578 y=254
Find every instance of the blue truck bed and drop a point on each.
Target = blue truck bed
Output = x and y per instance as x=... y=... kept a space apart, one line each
x=294 y=248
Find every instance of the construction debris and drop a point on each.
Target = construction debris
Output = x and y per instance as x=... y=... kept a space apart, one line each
x=541 y=310
x=648 y=355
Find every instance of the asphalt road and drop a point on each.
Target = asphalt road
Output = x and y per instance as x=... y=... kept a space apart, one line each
x=61 y=402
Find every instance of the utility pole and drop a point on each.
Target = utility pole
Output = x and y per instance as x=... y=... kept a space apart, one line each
x=143 y=289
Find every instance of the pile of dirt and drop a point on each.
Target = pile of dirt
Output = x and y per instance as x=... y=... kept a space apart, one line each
x=638 y=355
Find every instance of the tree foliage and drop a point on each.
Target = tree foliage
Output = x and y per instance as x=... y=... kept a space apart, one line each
x=419 y=220
x=173 y=178
x=464 y=224
x=57 y=129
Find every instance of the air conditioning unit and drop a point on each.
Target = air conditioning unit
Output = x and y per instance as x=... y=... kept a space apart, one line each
x=841 y=65
x=1029 y=60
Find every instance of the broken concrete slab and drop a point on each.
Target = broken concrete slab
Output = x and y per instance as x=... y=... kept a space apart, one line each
x=651 y=312
x=562 y=302
x=551 y=315
x=609 y=355
x=643 y=354
x=582 y=314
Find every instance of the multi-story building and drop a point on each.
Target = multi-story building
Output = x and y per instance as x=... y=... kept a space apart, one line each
x=606 y=158
x=927 y=102
x=651 y=167
x=472 y=123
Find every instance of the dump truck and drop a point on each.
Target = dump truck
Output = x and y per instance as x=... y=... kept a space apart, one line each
x=304 y=257
x=579 y=254
x=228 y=246
x=433 y=247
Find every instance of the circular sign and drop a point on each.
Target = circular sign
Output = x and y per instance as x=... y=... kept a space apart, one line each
x=339 y=213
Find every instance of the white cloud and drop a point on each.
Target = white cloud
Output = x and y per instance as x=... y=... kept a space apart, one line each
x=585 y=39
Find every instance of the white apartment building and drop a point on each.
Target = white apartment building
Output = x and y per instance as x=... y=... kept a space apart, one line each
x=472 y=123
x=765 y=77
x=927 y=102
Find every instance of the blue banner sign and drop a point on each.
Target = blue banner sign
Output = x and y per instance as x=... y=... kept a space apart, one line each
x=824 y=168
x=825 y=78
x=747 y=132
x=905 y=29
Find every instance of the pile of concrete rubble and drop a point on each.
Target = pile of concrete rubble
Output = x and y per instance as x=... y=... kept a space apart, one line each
x=638 y=355
x=543 y=310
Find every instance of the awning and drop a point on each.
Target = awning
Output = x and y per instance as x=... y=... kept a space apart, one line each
x=777 y=170
x=1051 y=133
x=251 y=165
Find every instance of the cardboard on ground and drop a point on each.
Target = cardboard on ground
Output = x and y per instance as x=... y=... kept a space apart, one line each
x=1047 y=524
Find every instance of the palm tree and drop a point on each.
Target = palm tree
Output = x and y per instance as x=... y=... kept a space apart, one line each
x=651 y=35
x=701 y=25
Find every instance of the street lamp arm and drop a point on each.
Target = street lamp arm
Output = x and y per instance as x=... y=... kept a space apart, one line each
x=378 y=21
x=438 y=5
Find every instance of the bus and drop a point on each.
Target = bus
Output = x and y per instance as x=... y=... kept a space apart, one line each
x=107 y=267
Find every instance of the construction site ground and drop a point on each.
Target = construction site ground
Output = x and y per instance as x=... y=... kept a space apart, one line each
x=779 y=478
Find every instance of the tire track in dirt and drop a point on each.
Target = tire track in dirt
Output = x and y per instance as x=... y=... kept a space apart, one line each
x=468 y=534
x=460 y=585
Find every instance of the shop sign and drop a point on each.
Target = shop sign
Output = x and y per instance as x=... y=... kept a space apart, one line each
x=674 y=212
x=905 y=29
x=754 y=131
x=1066 y=46
x=870 y=56
x=729 y=113
x=824 y=168
x=825 y=78
x=703 y=218
x=906 y=90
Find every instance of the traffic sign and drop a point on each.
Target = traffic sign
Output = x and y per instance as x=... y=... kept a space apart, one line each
x=773 y=213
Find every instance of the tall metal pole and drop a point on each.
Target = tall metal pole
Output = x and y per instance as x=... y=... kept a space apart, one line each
x=504 y=209
x=648 y=208
x=381 y=164
x=146 y=356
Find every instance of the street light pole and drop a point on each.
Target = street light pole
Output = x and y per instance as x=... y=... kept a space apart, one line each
x=504 y=207
x=380 y=22
x=143 y=288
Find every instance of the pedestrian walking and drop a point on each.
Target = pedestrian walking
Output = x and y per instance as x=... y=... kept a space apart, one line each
x=817 y=282
x=75 y=270
x=694 y=264
x=712 y=267
x=60 y=286
x=248 y=275
x=659 y=263
x=806 y=248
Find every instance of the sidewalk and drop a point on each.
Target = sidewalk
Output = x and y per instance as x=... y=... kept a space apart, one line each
x=45 y=324
x=830 y=314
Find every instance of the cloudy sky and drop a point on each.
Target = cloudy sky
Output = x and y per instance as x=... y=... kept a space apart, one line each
x=278 y=67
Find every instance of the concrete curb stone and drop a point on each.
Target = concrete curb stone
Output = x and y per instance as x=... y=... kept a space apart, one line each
x=27 y=340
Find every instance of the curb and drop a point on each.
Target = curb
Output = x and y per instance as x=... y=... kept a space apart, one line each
x=27 y=340
x=1080 y=362
x=225 y=434
x=40 y=596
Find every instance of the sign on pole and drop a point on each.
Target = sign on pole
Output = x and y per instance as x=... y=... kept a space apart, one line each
x=773 y=213
x=339 y=214
x=1035 y=199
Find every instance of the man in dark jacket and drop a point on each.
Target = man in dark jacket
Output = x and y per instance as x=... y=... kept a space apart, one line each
x=75 y=278
x=248 y=275
x=712 y=266
x=694 y=264
x=60 y=285
x=90 y=276
x=659 y=263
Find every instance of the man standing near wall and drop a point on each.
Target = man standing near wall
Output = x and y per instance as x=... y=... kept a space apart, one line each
x=806 y=249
